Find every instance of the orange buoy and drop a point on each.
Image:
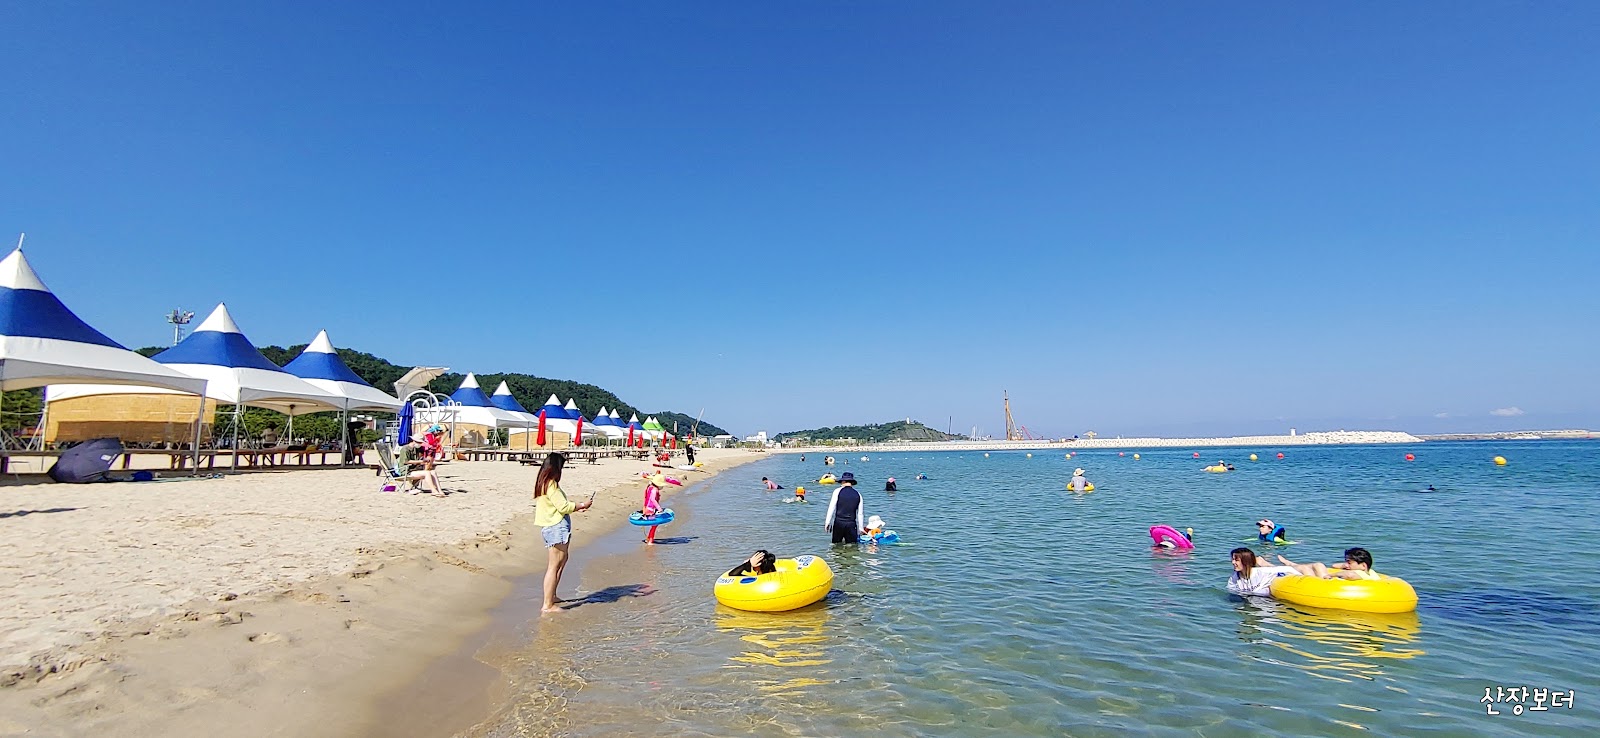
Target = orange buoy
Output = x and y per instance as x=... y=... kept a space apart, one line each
x=1411 y=457
x=1197 y=454
x=1119 y=453
x=1280 y=454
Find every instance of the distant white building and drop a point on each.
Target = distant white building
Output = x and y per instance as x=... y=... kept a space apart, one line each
x=759 y=437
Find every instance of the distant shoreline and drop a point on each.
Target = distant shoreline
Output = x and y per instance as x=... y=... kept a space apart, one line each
x=1319 y=438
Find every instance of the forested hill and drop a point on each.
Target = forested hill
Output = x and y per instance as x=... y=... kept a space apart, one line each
x=529 y=390
x=899 y=430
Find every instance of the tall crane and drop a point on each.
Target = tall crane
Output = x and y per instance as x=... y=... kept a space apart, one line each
x=1014 y=432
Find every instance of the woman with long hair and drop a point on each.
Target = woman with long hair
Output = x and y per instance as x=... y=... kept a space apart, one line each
x=552 y=512
x=1251 y=575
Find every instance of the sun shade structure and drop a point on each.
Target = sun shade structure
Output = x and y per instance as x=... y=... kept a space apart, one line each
x=417 y=380
x=320 y=366
x=42 y=342
x=235 y=372
x=468 y=404
x=606 y=424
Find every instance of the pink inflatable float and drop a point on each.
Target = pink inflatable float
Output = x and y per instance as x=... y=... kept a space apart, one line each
x=1166 y=535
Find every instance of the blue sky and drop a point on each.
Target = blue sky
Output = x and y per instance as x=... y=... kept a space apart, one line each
x=1136 y=218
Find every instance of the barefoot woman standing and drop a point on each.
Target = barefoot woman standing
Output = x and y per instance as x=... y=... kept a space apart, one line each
x=552 y=513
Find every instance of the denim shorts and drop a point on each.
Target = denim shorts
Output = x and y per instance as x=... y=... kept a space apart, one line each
x=559 y=533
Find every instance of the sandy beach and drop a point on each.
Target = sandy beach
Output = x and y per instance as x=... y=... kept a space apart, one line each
x=267 y=603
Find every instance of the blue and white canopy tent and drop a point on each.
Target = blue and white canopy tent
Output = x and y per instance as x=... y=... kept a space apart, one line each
x=578 y=421
x=606 y=424
x=320 y=366
x=42 y=343
x=503 y=399
x=235 y=372
x=468 y=404
x=556 y=419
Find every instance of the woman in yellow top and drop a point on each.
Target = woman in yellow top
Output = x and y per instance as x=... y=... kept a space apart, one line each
x=551 y=512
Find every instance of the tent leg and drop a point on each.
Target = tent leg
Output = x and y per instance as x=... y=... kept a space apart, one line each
x=345 y=457
x=237 y=416
x=199 y=420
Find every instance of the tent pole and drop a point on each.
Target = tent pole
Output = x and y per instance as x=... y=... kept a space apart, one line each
x=199 y=419
x=345 y=457
x=237 y=409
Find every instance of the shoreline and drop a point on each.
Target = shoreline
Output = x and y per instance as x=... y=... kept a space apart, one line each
x=404 y=582
x=1319 y=438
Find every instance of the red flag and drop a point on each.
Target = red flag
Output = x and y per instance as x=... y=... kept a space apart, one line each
x=672 y=441
x=540 y=439
x=577 y=440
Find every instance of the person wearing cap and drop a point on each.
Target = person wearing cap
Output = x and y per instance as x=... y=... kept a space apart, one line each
x=1079 y=483
x=846 y=519
x=875 y=526
x=433 y=441
x=889 y=486
x=1270 y=532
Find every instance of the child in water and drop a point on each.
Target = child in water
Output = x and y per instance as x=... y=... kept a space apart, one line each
x=771 y=485
x=1270 y=532
x=763 y=562
x=1357 y=565
x=652 y=501
x=875 y=526
x=799 y=494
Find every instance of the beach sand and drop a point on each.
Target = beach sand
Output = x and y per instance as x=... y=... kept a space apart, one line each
x=268 y=603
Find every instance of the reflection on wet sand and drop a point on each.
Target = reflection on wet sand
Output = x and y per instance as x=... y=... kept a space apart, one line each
x=1332 y=644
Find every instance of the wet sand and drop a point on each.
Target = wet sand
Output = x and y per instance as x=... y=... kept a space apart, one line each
x=279 y=603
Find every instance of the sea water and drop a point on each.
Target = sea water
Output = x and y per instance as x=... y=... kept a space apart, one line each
x=1015 y=608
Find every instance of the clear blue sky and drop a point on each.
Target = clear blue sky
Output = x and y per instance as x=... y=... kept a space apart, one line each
x=1135 y=217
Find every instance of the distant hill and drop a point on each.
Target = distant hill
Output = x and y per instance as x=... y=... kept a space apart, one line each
x=685 y=423
x=529 y=390
x=899 y=430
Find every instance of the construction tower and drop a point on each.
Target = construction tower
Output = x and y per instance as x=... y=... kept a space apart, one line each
x=1014 y=432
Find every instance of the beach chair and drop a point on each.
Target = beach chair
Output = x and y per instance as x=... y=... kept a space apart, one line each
x=393 y=475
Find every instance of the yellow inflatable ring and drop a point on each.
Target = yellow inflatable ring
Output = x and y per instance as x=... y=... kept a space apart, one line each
x=798 y=582
x=1216 y=468
x=1385 y=594
x=1087 y=488
x=827 y=479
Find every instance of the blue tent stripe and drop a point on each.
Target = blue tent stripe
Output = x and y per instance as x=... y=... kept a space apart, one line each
x=317 y=365
x=507 y=402
x=471 y=397
x=37 y=314
x=217 y=349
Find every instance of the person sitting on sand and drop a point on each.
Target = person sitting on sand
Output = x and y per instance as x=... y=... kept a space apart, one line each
x=763 y=562
x=1357 y=565
x=1251 y=577
x=1270 y=532
x=1079 y=482
x=419 y=473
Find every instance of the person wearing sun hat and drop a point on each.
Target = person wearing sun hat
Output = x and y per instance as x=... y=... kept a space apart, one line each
x=846 y=519
x=1078 y=483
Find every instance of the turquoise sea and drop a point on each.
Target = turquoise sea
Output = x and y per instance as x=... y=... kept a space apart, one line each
x=1014 y=608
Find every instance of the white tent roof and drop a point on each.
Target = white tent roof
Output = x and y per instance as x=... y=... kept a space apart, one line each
x=320 y=366
x=474 y=408
x=42 y=342
x=235 y=372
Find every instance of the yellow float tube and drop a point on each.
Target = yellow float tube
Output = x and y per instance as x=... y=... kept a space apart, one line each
x=1385 y=594
x=798 y=582
x=1087 y=488
x=827 y=479
x=1215 y=469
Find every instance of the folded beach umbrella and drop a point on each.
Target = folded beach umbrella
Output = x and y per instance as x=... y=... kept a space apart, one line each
x=407 y=416
x=321 y=366
x=42 y=342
